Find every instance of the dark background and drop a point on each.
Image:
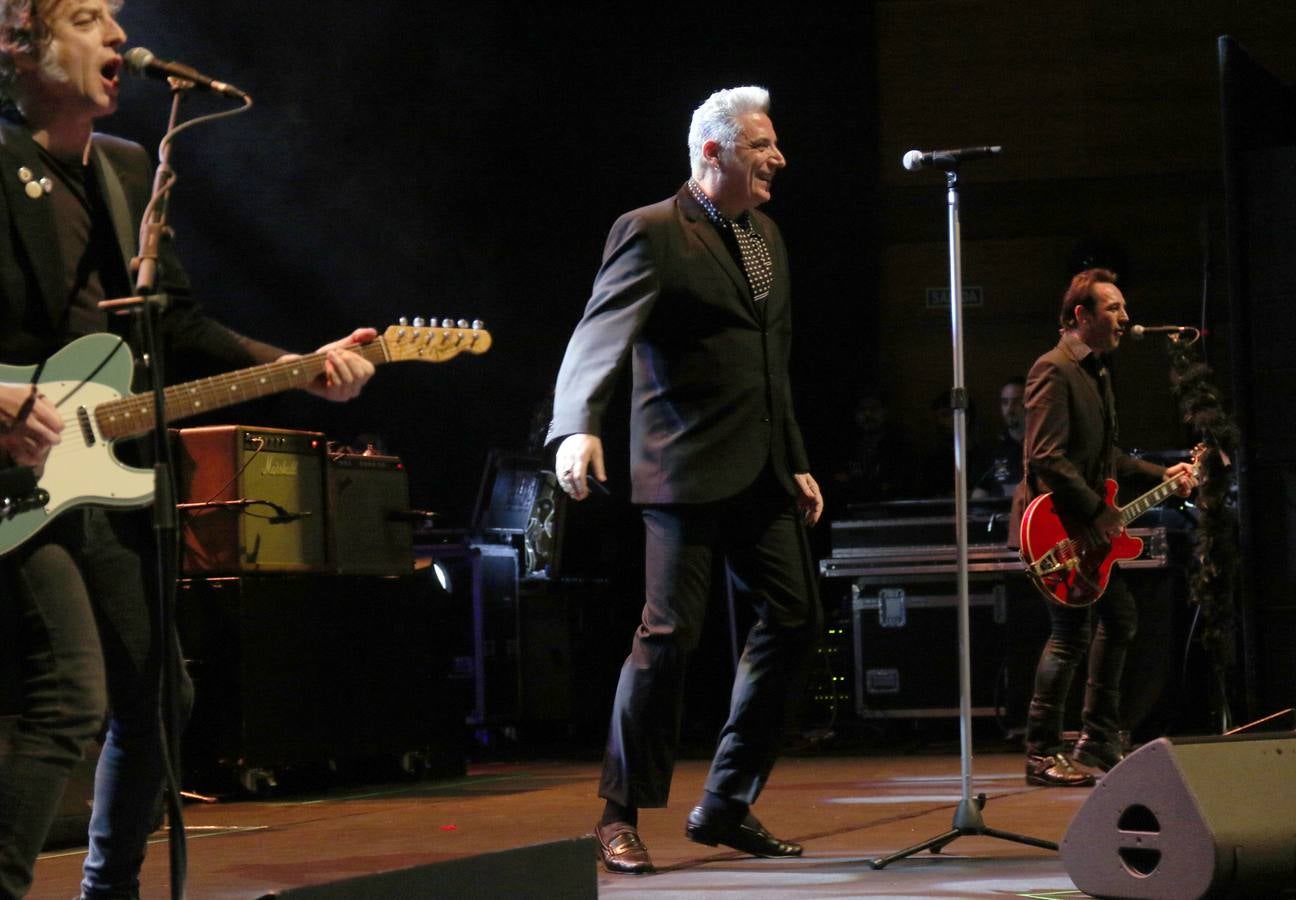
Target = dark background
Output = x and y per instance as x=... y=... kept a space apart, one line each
x=466 y=161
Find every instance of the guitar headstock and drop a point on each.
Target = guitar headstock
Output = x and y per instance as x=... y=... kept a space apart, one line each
x=1198 y=457
x=433 y=341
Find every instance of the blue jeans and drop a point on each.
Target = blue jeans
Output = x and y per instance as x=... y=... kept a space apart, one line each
x=85 y=633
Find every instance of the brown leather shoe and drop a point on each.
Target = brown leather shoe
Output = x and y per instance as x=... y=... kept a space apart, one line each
x=749 y=835
x=1055 y=771
x=621 y=850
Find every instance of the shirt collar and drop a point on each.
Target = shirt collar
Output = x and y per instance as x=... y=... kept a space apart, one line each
x=710 y=208
x=1078 y=349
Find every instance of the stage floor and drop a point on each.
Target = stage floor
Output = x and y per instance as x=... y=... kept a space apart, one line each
x=845 y=809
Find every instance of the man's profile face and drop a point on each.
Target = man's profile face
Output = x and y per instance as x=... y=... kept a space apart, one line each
x=1103 y=326
x=78 y=71
x=748 y=167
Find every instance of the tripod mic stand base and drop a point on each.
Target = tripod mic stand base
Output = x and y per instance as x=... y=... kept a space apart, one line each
x=967 y=823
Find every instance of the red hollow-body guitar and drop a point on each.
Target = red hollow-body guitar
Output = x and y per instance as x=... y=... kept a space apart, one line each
x=1063 y=563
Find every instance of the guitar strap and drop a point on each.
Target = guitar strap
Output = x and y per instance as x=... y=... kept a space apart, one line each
x=114 y=194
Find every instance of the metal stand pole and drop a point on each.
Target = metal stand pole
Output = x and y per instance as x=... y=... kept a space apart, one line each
x=967 y=818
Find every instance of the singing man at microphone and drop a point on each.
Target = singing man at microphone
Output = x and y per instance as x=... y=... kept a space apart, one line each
x=1071 y=449
x=73 y=605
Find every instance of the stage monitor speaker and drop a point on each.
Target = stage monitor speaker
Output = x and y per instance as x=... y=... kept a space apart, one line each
x=558 y=870
x=372 y=529
x=252 y=500
x=1192 y=817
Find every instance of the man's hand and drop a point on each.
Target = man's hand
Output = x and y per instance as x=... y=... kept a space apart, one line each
x=811 y=501
x=1106 y=526
x=1183 y=474
x=29 y=426
x=579 y=455
x=345 y=372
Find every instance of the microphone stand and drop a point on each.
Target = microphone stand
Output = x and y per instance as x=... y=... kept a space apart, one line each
x=967 y=817
x=146 y=305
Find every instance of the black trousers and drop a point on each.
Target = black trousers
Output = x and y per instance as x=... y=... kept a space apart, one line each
x=76 y=613
x=761 y=534
x=1072 y=633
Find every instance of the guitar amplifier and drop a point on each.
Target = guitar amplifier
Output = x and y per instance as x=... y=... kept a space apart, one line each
x=251 y=500
x=373 y=532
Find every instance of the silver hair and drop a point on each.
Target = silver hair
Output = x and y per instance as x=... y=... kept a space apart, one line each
x=717 y=120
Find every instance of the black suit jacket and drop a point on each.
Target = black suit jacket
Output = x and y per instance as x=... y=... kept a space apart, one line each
x=33 y=280
x=711 y=403
x=1071 y=436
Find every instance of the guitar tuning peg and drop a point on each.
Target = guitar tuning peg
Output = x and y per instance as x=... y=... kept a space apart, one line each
x=418 y=322
x=478 y=324
x=462 y=323
x=447 y=323
x=402 y=321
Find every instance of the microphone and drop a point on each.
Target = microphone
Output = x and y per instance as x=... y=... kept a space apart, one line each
x=947 y=159
x=142 y=62
x=1139 y=331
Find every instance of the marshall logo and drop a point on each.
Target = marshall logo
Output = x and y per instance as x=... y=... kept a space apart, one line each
x=280 y=465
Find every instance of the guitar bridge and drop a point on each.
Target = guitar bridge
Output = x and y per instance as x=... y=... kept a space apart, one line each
x=87 y=432
x=1060 y=559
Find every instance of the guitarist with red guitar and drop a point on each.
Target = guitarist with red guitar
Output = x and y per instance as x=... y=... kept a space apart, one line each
x=1070 y=452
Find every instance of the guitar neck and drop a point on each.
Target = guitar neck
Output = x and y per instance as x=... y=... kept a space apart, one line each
x=1154 y=497
x=133 y=415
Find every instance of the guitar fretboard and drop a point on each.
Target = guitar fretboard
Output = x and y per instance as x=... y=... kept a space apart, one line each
x=133 y=415
x=1137 y=507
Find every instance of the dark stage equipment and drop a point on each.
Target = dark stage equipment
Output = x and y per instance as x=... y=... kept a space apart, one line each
x=252 y=500
x=895 y=565
x=1188 y=818
x=295 y=670
x=1258 y=116
x=560 y=869
x=483 y=583
x=371 y=525
x=518 y=502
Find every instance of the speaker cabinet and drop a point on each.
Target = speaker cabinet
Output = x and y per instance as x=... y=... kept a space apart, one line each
x=372 y=531
x=1196 y=817
x=293 y=669
x=252 y=500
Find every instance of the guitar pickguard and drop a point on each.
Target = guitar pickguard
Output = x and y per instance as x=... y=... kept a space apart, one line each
x=81 y=469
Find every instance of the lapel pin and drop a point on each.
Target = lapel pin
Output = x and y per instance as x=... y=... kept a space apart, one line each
x=25 y=175
x=34 y=190
x=46 y=185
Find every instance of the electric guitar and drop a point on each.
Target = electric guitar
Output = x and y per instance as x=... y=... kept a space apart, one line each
x=89 y=382
x=1063 y=562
